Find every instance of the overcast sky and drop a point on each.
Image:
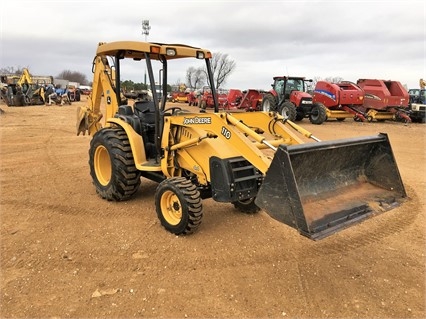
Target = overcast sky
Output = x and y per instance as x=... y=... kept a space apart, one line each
x=380 y=39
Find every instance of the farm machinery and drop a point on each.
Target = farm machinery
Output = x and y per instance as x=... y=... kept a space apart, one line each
x=384 y=100
x=192 y=98
x=25 y=89
x=417 y=106
x=247 y=100
x=179 y=94
x=290 y=98
x=252 y=160
x=206 y=100
x=342 y=99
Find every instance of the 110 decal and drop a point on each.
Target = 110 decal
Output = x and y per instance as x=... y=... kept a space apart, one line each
x=225 y=132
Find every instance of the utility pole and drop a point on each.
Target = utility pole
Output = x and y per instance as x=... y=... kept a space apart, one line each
x=145 y=30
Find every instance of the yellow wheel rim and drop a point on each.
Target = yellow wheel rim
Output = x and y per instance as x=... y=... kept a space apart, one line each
x=102 y=163
x=171 y=208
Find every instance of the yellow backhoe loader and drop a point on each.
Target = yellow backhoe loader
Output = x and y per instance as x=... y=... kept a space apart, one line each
x=254 y=160
x=25 y=89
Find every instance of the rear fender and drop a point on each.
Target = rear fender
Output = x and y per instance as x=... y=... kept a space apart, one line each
x=136 y=142
x=274 y=93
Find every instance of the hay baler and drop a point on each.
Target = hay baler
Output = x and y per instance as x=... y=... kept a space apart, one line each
x=385 y=100
x=342 y=99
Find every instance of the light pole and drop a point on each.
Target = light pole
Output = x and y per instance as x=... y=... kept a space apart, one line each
x=145 y=30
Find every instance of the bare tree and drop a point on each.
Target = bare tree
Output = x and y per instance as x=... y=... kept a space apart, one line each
x=314 y=82
x=334 y=79
x=195 y=78
x=222 y=67
x=73 y=76
x=12 y=70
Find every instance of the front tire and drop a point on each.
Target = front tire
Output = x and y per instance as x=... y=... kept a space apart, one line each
x=178 y=205
x=288 y=111
x=318 y=114
x=112 y=166
x=300 y=115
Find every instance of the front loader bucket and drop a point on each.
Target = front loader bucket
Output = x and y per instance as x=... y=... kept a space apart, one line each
x=320 y=188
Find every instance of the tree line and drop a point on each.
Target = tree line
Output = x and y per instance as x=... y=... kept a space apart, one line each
x=195 y=78
x=72 y=76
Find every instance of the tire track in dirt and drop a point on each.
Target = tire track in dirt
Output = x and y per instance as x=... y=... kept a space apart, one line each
x=54 y=142
x=371 y=231
x=364 y=236
x=86 y=216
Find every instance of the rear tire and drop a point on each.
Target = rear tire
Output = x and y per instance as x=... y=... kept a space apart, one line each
x=178 y=205
x=318 y=114
x=288 y=111
x=112 y=166
x=247 y=206
x=269 y=103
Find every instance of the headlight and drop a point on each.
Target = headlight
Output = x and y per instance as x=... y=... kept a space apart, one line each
x=200 y=55
x=170 y=52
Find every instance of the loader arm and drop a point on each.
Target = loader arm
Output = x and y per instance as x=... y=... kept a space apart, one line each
x=191 y=130
x=245 y=134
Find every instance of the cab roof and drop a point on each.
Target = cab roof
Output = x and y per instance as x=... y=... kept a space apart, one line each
x=136 y=50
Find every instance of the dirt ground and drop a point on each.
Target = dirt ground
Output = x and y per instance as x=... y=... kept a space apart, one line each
x=66 y=253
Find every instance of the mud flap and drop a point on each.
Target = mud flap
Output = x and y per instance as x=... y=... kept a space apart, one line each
x=321 y=188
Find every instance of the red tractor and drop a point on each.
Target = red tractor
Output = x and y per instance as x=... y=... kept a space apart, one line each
x=290 y=98
x=247 y=100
